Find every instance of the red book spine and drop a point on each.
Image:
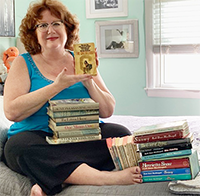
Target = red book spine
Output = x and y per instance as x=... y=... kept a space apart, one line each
x=159 y=137
x=164 y=164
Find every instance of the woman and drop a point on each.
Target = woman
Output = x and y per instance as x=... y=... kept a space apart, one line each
x=48 y=32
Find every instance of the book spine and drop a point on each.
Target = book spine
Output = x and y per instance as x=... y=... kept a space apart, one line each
x=166 y=178
x=76 y=118
x=75 y=133
x=72 y=127
x=122 y=156
x=167 y=154
x=71 y=113
x=158 y=150
x=71 y=107
x=116 y=154
x=74 y=122
x=132 y=161
x=148 y=145
x=164 y=164
x=51 y=140
x=164 y=127
x=112 y=153
x=161 y=136
x=166 y=172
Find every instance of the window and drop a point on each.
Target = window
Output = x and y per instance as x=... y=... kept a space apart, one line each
x=173 y=48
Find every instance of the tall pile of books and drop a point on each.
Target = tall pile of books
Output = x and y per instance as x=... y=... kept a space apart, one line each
x=123 y=152
x=166 y=152
x=73 y=120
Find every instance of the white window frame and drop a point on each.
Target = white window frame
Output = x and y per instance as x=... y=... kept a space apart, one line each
x=153 y=80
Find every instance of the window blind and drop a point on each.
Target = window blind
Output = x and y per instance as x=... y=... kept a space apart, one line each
x=176 y=26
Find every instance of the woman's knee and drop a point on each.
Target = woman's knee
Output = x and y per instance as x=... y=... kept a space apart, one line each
x=113 y=130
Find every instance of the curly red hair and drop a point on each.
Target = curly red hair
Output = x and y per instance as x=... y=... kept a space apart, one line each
x=27 y=28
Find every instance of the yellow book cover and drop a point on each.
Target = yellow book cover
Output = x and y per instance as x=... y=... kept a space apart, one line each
x=85 y=60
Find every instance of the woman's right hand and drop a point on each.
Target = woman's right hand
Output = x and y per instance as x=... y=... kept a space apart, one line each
x=63 y=80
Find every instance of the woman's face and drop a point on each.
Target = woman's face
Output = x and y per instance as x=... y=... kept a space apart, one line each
x=51 y=32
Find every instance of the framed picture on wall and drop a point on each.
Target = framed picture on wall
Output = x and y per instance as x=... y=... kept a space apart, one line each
x=106 y=8
x=7 y=18
x=117 y=39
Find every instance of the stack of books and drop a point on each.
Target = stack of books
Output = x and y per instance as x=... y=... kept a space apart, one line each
x=123 y=152
x=166 y=152
x=73 y=120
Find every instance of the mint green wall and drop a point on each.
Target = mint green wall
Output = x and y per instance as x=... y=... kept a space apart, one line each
x=125 y=77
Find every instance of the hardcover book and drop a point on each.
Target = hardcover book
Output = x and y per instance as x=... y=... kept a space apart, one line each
x=73 y=104
x=72 y=127
x=56 y=124
x=54 y=140
x=167 y=154
x=163 y=127
x=170 y=148
x=179 y=170
x=76 y=118
x=150 y=145
x=172 y=163
x=77 y=132
x=164 y=164
x=166 y=172
x=171 y=135
x=85 y=59
x=166 y=178
x=63 y=114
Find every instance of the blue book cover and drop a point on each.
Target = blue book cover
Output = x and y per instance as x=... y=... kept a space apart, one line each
x=167 y=178
x=166 y=172
x=167 y=154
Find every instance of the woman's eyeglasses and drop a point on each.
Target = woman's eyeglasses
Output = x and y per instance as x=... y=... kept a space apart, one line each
x=43 y=27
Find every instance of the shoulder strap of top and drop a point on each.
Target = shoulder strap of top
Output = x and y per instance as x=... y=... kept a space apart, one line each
x=28 y=59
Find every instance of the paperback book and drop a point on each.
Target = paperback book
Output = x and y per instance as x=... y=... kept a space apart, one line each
x=85 y=59
x=123 y=151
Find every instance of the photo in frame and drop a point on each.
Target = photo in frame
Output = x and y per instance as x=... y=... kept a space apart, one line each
x=106 y=8
x=7 y=18
x=117 y=39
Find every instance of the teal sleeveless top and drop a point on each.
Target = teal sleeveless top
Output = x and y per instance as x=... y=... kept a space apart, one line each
x=39 y=120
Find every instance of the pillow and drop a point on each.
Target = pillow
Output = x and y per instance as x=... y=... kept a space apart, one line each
x=4 y=125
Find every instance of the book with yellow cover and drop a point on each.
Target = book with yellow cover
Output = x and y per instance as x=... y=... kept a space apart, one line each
x=85 y=60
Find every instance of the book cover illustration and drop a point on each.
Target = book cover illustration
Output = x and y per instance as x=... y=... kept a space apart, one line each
x=85 y=59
